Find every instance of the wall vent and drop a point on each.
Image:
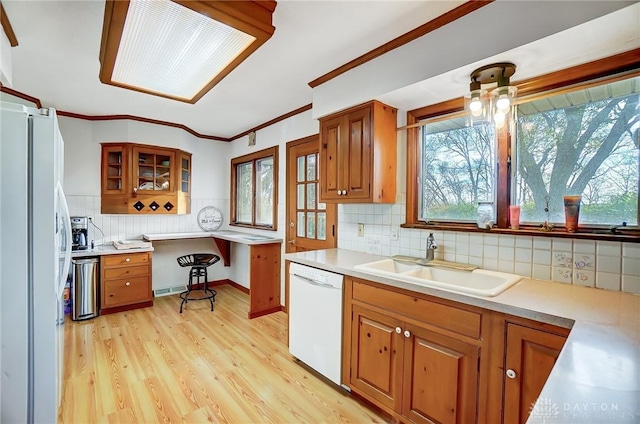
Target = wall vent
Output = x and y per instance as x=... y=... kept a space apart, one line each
x=166 y=291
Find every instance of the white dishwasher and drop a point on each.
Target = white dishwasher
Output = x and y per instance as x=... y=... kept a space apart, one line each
x=315 y=319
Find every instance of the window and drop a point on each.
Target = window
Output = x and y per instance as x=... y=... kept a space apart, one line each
x=582 y=142
x=457 y=172
x=576 y=132
x=254 y=191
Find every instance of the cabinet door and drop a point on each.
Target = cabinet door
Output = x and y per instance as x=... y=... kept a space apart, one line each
x=331 y=161
x=440 y=378
x=530 y=356
x=152 y=170
x=114 y=169
x=356 y=179
x=376 y=356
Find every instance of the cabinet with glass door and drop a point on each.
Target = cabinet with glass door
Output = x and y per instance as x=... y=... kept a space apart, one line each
x=138 y=179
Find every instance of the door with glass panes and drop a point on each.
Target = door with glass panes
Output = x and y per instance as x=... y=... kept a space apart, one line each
x=310 y=225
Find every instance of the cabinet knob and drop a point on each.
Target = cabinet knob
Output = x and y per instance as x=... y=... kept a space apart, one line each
x=127 y=260
x=407 y=333
x=398 y=330
x=127 y=284
x=511 y=373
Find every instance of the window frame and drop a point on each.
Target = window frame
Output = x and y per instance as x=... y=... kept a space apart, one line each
x=601 y=71
x=253 y=158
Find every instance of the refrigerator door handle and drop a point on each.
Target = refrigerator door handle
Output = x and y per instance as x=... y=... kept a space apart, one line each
x=66 y=221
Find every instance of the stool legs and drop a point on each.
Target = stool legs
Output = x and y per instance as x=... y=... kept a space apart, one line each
x=198 y=272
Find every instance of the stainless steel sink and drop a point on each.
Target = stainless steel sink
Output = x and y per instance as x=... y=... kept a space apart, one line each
x=479 y=282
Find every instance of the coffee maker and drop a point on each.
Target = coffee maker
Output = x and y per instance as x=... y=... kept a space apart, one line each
x=80 y=232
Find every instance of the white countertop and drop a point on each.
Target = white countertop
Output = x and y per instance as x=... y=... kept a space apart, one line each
x=233 y=236
x=597 y=375
x=107 y=249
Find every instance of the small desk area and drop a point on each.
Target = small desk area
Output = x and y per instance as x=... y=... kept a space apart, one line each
x=264 y=263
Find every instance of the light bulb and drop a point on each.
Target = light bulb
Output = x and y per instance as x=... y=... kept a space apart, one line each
x=475 y=106
x=503 y=102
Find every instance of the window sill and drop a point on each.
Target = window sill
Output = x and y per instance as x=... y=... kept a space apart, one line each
x=255 y=227
x=632 y=236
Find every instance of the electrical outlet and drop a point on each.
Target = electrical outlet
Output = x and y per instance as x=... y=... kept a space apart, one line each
x=395 y=234
x=360 y=229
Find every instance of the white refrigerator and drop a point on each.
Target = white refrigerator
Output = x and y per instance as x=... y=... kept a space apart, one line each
x=35 y=252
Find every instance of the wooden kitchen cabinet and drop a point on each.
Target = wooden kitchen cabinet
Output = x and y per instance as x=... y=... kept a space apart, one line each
x=125 y=282
x=414 y=363
x=358 y=155
x=142 y=179
x=530 y=356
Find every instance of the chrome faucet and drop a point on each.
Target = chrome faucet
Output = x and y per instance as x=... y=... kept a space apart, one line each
x=431 y=247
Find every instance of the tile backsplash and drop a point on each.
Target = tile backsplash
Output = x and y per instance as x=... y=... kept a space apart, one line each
x=602 y=264
x=131 y=227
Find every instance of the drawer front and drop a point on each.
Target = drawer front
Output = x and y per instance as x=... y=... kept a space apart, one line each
x=125 y=291
x=448 y=317
x=126 y=272
x=125 y=259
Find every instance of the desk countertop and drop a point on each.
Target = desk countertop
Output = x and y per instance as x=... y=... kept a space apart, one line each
x=597 y=376
x=232 y=236
x=106 y=249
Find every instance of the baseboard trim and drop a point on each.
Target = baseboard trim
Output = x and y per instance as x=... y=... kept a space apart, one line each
x=257 y=314
x=107 y=311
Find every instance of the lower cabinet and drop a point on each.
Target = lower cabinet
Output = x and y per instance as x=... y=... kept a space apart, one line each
x=428 y=360
x=530 y=356
x=125 y=282
x=414 y=371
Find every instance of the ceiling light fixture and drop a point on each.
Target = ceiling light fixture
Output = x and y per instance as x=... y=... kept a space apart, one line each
x=484 y=105
x=179 y=49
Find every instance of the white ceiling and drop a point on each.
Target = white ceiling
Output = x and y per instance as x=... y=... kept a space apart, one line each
x=57 y=59
x=57 y=62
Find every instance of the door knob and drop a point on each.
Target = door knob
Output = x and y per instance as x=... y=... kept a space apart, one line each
x=398 y=330
x=511 y=373
x=127 y=260
x=127 y=284
x=292 y=241
x=407 y=333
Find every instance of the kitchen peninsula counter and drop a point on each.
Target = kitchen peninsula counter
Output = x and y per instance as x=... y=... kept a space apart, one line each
x=597 y=375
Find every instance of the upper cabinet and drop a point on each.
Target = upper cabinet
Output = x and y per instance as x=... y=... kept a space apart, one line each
x=138 y=179
x=358 y=155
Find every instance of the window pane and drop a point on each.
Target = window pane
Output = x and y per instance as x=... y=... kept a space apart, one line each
x=311 y=225
x=311 y=196
x=311 y=167
x=244 y=192
x=300 y=196
x=300 y=225
x=264 y=191
x=300 y=168
x=458 y=169
x=580 y=143
x=322 y=226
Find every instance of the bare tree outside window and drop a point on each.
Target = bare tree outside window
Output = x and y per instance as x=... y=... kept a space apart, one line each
x=580 y=143
x=458 y=169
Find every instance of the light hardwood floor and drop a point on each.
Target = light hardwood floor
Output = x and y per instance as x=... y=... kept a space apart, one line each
x=156 y=365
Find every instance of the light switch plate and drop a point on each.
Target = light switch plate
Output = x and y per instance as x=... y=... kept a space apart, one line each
x=252 y=138
x=360 y=229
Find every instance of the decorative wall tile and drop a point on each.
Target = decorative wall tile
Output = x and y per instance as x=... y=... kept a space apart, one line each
x=584 y=261
x=561 y=274
x=561 y=259
x=584 y=278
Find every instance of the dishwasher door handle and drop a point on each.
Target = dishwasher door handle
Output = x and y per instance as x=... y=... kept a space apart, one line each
x=314 y=282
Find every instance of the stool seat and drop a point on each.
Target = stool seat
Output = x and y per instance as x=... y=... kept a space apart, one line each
x=199 y=262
